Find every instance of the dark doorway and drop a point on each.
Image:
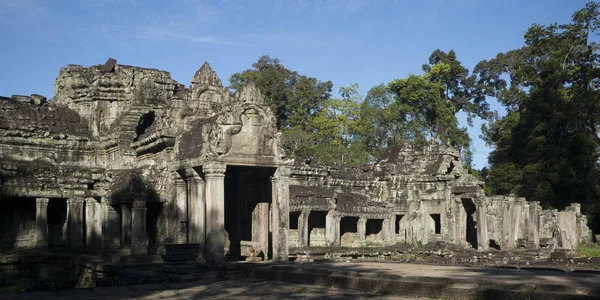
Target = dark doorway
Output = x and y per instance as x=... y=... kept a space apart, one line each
x=294 y=220
x=348 y=231
x=245 y=188
x=398 y=229
x=57 y=220
x=437 y=220
x=153 y=213
x=17 y=223
x=316 y=228
x=470 y=208
x=374 y=226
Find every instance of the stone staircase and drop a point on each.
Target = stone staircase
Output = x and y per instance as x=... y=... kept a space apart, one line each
x=125 y=125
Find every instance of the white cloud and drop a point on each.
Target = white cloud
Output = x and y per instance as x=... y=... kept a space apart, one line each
x=342 y=6
x=168 y=33
x=102 y=3
x=23 y=8
x=207 y=11
x=325 y=6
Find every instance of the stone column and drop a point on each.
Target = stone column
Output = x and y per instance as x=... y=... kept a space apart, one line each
x=361 y=229
x=260 y=227
x=507 y=226
x=281 y=213
x=516 y=221
x=139 y=241
x=125 y=225
x=111 y=228
x=75 y=222
x=214 y=175
x=330 y=234
x=481 y=219
x=387 y=234
x=181 y=207
x=41 y=220
x=338 y=238
x=93 y=223
x=197 y=209
x=533 y=228
x=303 y=234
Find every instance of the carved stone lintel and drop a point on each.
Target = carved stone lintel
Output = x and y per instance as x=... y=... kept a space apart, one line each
x=90 y=202
x=42 y=201
x=190 y=174
x=214 y=170
x=283 y=172
x=139 y=205
x=75 y=201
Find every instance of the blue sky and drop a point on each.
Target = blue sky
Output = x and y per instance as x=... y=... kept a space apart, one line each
x=346 y=41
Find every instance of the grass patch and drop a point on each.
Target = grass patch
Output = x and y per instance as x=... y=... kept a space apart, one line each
x=588 y=251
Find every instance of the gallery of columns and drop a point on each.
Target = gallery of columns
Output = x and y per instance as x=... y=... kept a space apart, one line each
x=228 y=220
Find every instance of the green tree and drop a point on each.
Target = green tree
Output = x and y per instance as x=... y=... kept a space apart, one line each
x=383 y=121
x=546 y=147
x=335 y=130
x=294 y=98
x=424 y=107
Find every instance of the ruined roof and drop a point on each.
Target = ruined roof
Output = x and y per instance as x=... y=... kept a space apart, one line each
x=427 y=159
x=354 y=202
x=206 y=75
x=44 y=119
x=190 y=142
x=42 y=177
x=310 y=195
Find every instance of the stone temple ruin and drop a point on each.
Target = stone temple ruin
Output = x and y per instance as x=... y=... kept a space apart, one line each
x=126 y=159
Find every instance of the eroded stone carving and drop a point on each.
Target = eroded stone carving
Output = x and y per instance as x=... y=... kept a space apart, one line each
x=158 y=163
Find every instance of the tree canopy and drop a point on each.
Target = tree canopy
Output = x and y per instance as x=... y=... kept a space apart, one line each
x=546 y=147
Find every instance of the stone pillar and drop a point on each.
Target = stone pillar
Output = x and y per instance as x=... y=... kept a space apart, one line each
x=330 y=234
x=387 y=234
x=507 y=218
x=197 y=209
x=481 y=219
x=281 y=213
x=214 y=175
x=361 y=229
x=303 y=234
x=41 y=220
x=93 y=223
x=533 y=228
x=338 y=238
x=516 y=221
x=139 y=241
x=111 y=228
x=75 y=222
x=125 y=225
x=260 y=227
x=181 y=207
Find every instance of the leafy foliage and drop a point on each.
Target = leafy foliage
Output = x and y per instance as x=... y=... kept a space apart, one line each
x=294 y=98
x=546 y=147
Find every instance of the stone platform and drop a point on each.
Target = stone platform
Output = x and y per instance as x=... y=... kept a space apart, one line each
x=338 y=280
x=440 y=282
x=240 y=288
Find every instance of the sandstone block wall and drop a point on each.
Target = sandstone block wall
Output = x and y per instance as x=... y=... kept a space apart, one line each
x=118 y=145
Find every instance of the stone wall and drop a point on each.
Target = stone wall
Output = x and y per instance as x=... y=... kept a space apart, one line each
x=126 y=158
x=438 y=201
